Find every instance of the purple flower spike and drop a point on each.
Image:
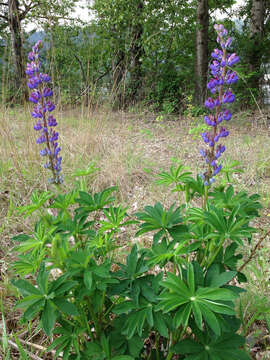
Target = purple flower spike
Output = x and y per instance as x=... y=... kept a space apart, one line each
x=45 y=123
x=223 y=77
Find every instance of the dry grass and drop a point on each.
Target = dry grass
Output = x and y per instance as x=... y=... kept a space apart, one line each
x=129 y=149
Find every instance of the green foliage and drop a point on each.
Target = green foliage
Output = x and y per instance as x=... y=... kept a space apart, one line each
x=96 y=306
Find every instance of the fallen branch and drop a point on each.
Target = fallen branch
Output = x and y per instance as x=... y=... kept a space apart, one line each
x=253 y=251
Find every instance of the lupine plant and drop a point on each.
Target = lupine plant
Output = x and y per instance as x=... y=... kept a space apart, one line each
x=219 y=84
x=45 y=122
x=172 y=300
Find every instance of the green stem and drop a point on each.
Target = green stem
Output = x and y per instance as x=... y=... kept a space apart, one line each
x=94 y=318
x=215 y=254
x=205 y=198
x=157 y=345
x=170 y=355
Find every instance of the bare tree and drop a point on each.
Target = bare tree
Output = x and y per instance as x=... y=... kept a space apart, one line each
x=201 y=51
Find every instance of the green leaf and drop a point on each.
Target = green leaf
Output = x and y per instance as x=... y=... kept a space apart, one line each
x=67 y=286
x=211 y=319
x=48 y=318
x=42 y=279
x=88 y=279
x=135 y=345
x=190 y=278
x=27 y=301
x=66 y=306
x=197 y=314
x=132 y=261
x=223 y=278
x=182 y=316
x=124 y=307
x=25 y=287
x=122 y=357
x=160 y=324
x=156 y=218
x=216 y=294
x=34 y=309
x=187 y=347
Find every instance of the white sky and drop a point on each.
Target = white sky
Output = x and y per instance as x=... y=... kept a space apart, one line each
x=83 y=13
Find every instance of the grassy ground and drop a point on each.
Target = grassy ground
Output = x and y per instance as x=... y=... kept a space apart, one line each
x=130 y=149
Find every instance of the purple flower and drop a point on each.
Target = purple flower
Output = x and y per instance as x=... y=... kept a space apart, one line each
x=43 y=152
x=35 y=97
x=38 y=112
x=222 y=78
x=231 y=78
x=217 y=54
x=45 y=123
x=37 y=126
x=217 y=170
x=47 y=92
x=227 y=115
x=233 y=59
x=228 y=97
x=215 y=68
x=50 y=106
x=41 y=139
x=210 y=120
x=211 y=103
x=51 y=121
x=45 y=78
x=33 y=83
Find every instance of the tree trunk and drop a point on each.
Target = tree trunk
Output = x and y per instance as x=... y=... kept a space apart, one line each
x=118 y=86
x=256 y=28
x=201 y=52
x=137 y=52
x=16 y=43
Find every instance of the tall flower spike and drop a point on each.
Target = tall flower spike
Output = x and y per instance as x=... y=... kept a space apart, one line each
x=219 y=84
x=45 y=123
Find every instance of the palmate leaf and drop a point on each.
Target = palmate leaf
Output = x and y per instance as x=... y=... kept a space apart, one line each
x=95 y=202
x=249 y=205
x=225 y=347
x=156 y=218
x=63 y=201
x=38 y=200
x=115 y=218
x=224 y=224
x=137 y=320
x=174 y=176
x=188 y=298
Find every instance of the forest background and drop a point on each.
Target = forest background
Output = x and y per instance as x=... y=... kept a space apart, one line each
x=152 y=53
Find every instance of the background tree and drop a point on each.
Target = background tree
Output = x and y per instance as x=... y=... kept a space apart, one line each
x=201 y=51
x=15 y=12
x=256 y=51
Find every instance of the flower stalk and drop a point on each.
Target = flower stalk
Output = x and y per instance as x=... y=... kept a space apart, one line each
x=45 y=122
x=219 y=84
